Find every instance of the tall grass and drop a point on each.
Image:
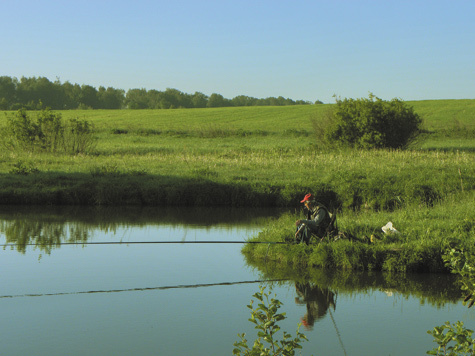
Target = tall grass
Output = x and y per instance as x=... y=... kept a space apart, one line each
x=380 y=180
x=269 y=156
x=424 y=235
x=240 y=156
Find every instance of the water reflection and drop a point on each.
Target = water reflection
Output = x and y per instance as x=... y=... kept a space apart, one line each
x=317 y=301
x=47 y=228
x=46 y=235
x=152 y=295
x=321 y=286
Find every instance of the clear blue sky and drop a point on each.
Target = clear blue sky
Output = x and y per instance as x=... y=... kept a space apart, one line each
x=309 y=50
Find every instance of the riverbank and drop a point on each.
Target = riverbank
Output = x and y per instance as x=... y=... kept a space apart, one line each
x=424 y=235
x=374 y=180
x=242 y=158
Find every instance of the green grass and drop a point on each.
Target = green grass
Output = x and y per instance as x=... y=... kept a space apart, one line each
x=440 y=114
x=256 y=155
x=268 y=156
x=425 y=234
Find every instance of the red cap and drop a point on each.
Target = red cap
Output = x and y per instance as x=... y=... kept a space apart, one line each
x=305 y=323
x=308 y=197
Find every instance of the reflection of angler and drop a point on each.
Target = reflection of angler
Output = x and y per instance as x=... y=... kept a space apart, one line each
x=318 y=301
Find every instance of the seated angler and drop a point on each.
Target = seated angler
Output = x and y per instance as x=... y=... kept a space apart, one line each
x=319 y=221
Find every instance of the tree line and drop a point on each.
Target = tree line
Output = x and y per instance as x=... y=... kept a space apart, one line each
x=35 y=93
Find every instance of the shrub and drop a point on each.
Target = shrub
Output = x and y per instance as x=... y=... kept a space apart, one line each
x=456 y=339
x=458 y=336
x=370 y=123
x=266 y=317
x=48 y=133
x=79 y=136
x=23 y=168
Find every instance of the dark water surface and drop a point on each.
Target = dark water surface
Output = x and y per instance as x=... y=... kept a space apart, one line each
x=189 y=298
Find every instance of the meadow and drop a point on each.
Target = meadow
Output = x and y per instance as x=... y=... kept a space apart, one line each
x=248 y=156
x=269 y=156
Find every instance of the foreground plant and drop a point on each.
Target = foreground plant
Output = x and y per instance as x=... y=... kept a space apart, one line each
x=460 y=338
x=463 y=264
x=265 y=317
x=47 y=133
x=458 y=335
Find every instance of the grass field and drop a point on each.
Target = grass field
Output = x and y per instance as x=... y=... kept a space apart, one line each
x=256 y=155
x=268 y=156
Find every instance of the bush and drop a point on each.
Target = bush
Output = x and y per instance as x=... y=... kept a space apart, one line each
x=48 y=133
x=370 y=123
x=456 y=334
x=266 y=318
x=23 y=168
x=78 y=136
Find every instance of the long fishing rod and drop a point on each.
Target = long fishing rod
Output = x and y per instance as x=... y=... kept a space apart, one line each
x=154 y=242
x=181 y=286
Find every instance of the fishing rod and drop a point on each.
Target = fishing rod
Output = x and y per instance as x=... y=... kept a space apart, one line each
x=181 y=286
x=151 y=242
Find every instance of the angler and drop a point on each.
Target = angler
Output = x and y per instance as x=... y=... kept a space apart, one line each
x=320 y=222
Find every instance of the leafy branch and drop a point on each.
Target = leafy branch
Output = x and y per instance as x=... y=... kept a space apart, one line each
x=455 y=339
x=265 y=316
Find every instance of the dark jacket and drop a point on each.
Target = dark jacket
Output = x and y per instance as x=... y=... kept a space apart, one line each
x=318 y=219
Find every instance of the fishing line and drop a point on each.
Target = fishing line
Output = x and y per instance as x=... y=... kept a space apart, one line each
x=201 y=285
x=150 y=242
x=338 y=333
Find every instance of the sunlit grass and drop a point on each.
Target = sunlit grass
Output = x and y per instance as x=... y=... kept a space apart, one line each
x=424 y=235
x=268 y=156
x=269 y=150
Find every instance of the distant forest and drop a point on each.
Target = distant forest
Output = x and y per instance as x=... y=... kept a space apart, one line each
x=37 y=93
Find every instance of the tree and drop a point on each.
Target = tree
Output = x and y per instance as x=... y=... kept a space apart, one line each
x=178 y=98
x=137 y=99
x=216 y=101
x=71 y=95
x=7 y=92
x=371 y=123
x=37 y=93
x=47 y=93
x=110 y=98
x=154 y=98
x=243 y=100
x=88 y=97
x=199 y=100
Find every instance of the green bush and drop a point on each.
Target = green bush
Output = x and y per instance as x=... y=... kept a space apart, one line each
x=48 y=133
x=370 y=123
x=78 y=137
x=455 y=339
x=266 y=318
x=23 y=168
x=457 y=335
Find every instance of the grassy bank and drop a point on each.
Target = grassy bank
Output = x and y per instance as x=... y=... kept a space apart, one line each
x=253 y=156
x=249 y=177
x=268 y=156
x=425 y=234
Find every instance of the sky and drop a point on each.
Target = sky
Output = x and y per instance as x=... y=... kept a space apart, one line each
x=302 y=50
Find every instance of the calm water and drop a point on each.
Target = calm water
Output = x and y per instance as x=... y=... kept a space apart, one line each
x=190 y=299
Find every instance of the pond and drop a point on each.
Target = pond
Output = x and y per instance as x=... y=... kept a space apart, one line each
x=90 y=281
